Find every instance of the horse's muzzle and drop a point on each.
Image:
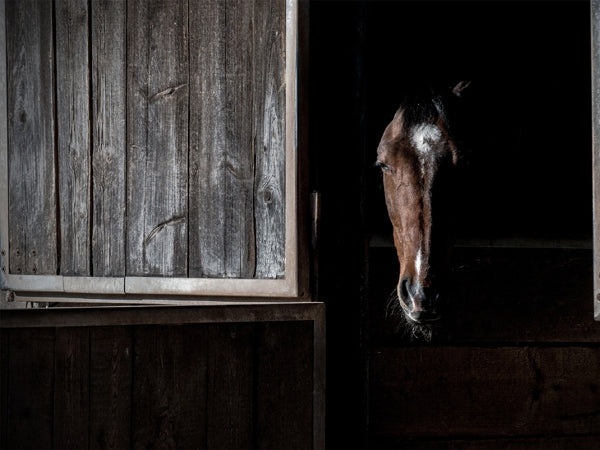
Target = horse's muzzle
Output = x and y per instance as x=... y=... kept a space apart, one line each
x=419 y=305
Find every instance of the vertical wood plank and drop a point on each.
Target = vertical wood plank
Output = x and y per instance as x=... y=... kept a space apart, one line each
x=269 y=128
x=109 y=85
x=238 y=176
x=207 y=137
x=4 y=347
x=285 y=386
x=222 y=236
x=169 y=387
x=71 y=388
x=31 y=382
x=73 y=123
x=110 y=387
x=3 y=148
x=595 y=13
x=157 y=138
x=31 y=159
x=230 y=386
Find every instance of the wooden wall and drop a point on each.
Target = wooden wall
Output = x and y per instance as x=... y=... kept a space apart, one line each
x=146 y=138
x=156 y=379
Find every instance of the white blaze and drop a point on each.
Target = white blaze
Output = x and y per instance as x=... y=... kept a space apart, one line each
x=418 y=262
x=423 y=136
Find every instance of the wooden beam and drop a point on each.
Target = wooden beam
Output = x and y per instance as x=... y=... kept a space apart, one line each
x=141 y=315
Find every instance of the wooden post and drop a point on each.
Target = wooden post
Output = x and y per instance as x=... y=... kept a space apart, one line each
x=595 y=5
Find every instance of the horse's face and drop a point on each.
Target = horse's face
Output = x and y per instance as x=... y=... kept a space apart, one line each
x=415 y=154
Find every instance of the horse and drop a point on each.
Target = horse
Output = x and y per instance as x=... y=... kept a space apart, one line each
x=417 y=155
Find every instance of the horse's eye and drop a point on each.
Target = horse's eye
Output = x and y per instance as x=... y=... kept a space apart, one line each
x=382 y=166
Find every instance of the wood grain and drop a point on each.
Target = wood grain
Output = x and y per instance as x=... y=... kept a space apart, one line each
x=111 y=353
x=284 y=386
x=479 y=391
x=157 y=138
x=230 y=387
x=595 y=11
x=208 y=138
x=73 y=124
x=169 y=387
x=4 y=350
x=30 y=391
x=31 y=197
x=71 y=388
x=270 y=137
x=109 y=87
x=222 y=236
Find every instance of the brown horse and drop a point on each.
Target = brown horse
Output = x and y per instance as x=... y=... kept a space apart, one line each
x=416 y=155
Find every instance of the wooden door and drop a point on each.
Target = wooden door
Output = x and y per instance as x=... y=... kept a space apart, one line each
x=150 y=147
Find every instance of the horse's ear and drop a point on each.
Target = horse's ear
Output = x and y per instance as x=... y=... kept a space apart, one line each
x=460 y=87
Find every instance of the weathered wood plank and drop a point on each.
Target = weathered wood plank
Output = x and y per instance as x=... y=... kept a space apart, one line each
x=73 y=124
x=138 y=315
x=470 y=391
x=222 y=241
x=109 y=84
x=4 y=253
x=208 y=139
x=32 y=203
x=157 y=138
x=270 y=140
x=4 y=349
x=110 y=387
x=169 y=388
x=230 y=419
x=71 y=388
x=284 y=385
x=30 y=391
x=595 y=10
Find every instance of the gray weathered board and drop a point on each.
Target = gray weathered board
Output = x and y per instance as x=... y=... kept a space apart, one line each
x=595 y=5
x=149 y=146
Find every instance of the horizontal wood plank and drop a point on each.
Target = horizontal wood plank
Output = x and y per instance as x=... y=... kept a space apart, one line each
x=471 y=391
x=132 y=315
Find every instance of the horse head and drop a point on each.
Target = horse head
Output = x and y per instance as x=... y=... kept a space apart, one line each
x=417 y=154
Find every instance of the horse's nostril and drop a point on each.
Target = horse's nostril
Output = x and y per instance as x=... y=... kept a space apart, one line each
x=403 y=291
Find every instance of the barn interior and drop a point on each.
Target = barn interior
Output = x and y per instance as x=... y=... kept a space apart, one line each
x=515 y=363
x=521 y=317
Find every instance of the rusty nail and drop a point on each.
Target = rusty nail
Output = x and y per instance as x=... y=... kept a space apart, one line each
x=10 y=296
x=4 y=269
x=3 y=252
